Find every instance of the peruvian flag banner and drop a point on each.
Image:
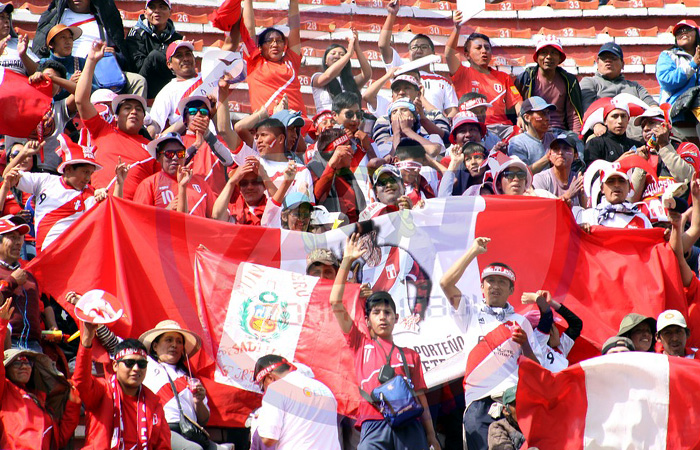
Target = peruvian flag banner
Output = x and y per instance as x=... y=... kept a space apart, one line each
x=632 y=400
x=146 y=257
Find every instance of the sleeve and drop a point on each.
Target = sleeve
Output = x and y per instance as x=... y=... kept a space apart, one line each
x=272 y=216
x=323 y=184
x=680 y=169
x=515 y=149
x=137 y=174
x=161 y=109
x=271 y=414
x=32 y=183
x=574 y=321
x=519 y=82
x=381 y=133
x=565 y=345
x=294 y=58
x=464 y=313
x=498 y=437
x=589 y=93
x=108 y=339
x=68 y=423
x=95 y=125
x=643 y=94
x=354 y=338
x=546 y=322
x=446 y=184
x=671 y=76
x=382 y=106
x=460 y=79
x=135 y=48
x=160 y=433
x=451 y=100
x=91 y=391
x=144 y=193
x=417 y=374
x=396 y=60
x=572 y=118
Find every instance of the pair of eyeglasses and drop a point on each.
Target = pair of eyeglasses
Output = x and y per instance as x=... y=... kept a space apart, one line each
x=359 y=115
x=511 y=175
x=685 y=31
x=423 y=47
x=382 y=182
x=13 y=155
x=300 y=215
x=193 y=111
x=274 y=41
x=172 y=154
x=22 y=362
x=246 y=183
x=130 y=363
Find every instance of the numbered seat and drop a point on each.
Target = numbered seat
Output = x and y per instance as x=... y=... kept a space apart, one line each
x=505 y=33
x=432 y=30
x=631 y=32
x=183 y=17
x=130 y=15
x=637 y=3
x=511 y=5
x=441 y=6
x=569 y=32
x=573 y=4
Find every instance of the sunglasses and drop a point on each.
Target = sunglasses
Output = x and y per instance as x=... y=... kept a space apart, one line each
x=387 y=181
x=130 y=363
x=511 y=175
x=274 y=41
x=172 y=154
x=359 y=115
x=22 y=362
x=202 y=110
x=246 y=183
x=300 y=215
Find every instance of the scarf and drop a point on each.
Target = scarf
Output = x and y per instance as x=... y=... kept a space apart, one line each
x=606 y=211
x=498 y=312
x=118 y=420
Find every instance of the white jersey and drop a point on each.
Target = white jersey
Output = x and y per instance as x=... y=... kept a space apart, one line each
x=598 y=216
x=57 y=204
x=88 y=25
x=157 y=381
x=437 y=90
x=554 y=359
x=300 y=413
x=492 y=356
x=164 y=110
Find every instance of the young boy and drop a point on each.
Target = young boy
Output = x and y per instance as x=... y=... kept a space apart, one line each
x=372 y=350
x=465 y=169
x=347 y=114
x=421 y=173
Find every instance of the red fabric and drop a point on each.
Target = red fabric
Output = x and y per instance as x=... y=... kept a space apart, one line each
x=27 y=421
x=97 y=396
x=160 y=189
x=497 y=86
x=692 y=294
x=23 y=104
x=226 y=17
x=26 y=296
x=240 y=210
x=683 y=419
x=206 y=164
x=370 y=356
x=112 y=143
x=265 y=78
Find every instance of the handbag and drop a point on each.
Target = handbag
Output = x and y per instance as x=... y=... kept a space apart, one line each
x=395 y=399
x=188 y=428
x=108 y=74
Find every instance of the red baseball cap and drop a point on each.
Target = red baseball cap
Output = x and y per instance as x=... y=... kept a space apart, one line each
x=549 y=42
x=172 y=48
x=685 y=23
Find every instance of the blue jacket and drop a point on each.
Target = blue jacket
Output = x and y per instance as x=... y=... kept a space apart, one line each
x=676 y=72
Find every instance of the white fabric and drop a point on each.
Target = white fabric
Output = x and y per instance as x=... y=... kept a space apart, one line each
x=54 y=201
x=623 y=418
x=322 y=98
x=164 y=106
x=156 y=379
x=91 y=31
x=553 y=360
x=300 y=413
x=590 y=216
x=10 y=58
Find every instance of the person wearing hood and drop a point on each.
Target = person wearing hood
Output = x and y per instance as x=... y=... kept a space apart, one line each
x=508 y=176
x=641 y=330
x=14 y=52
x=38 y=404
x=147 y=42
x=677 y=67
x=614 y=142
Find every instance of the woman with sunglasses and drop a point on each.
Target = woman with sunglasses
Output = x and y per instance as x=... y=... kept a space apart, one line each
x=274 y=64
x=337 y=74
x=677 y=67
x=14 y=202
x=39 y=410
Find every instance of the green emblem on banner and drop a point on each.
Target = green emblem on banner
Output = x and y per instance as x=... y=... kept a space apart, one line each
x=265 y=317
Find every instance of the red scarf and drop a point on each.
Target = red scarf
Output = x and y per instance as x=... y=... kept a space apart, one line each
x=118 y=421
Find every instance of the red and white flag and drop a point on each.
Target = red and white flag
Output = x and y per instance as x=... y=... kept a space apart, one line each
x=633 y=400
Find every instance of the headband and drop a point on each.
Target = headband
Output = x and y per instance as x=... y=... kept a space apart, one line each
x=473 y=103
x=322 y=116
x=342 y=140
x=408 y=165
x=269 y=369
x=129 y=351
x=402 y=103
x=499 y=271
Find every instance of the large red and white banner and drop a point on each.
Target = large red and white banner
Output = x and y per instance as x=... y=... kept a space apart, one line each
x=633 y=400
x=146 y=256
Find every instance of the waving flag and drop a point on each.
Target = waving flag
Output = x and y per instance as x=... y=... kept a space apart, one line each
x=146 y=257
x=24 y=106
x=633 y=400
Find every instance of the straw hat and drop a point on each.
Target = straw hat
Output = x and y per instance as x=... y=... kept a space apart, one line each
x=192 y=342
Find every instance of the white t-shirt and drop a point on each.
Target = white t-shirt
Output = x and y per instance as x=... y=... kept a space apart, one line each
x=322 y=98
x=157 y=381
x=554 y=359
x=300 y=413
x=10 y=58
x=436 y=89
x=164 y=110
x=91 y=31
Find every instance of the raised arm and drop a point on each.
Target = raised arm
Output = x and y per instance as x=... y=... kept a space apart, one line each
x=370 y=94
x=449 y=280
x=451 y=57
x=365 y=67
x=84 y=88
x=676 y=242
x=294 y=23
x=249 y=17
x=350 y=255
x=223 y=116
x=334 y=70
x=184 y=175
x=289 y=173
x=387 y=31
x=692 y=234
x=30 y=148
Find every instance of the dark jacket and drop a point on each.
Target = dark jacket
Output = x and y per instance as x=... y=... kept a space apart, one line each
x=143 y=39
x=503 y=435
x=525 y=83
x=107 y=16
x=608 y=147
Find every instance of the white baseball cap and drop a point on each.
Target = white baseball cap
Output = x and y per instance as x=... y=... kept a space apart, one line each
x=670 y=317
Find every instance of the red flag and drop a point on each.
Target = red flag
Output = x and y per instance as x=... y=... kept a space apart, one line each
x=625 y=400
x=227 y=15
x=23 y=105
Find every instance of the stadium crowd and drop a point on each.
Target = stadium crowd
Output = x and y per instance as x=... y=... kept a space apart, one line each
x=601 y=144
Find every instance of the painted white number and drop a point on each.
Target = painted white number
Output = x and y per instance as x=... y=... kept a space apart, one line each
x=574 y=5
x=506 y=6
x=167 y=197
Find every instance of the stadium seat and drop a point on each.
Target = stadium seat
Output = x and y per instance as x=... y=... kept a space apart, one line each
x=569 y=32
x=515 y=5
x=505 y=32
x=573 y=4
x=631 y=32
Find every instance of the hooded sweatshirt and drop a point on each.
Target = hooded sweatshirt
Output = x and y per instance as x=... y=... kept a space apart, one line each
x=143 y=39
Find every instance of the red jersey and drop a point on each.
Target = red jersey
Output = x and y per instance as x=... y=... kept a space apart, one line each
x=497 y=86
x=370 y=356
x=111 y=143
x=243 y=214
x=207 y=165
x=268 y=81
x=160 y=189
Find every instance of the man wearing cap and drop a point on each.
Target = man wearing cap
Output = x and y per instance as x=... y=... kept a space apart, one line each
x=175 y=187
x=617 y=344
x=505 y=433
x=609 y=80
x=16 y=55
x=437 y=90
x=672 y=333
x=530 y=146
x=476 y=103
x=554 y=84
x=560 y=180
x=388 y=188
x=297 y=411
x=494 y=334
x=322 y=263
x=677 y=67
x=147 y=42
x=614 y=142
x=119 y=142
x=293 y=122
x=613 y=210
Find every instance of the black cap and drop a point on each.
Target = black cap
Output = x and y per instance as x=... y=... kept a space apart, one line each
x=611 y=47
x=8 y=8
